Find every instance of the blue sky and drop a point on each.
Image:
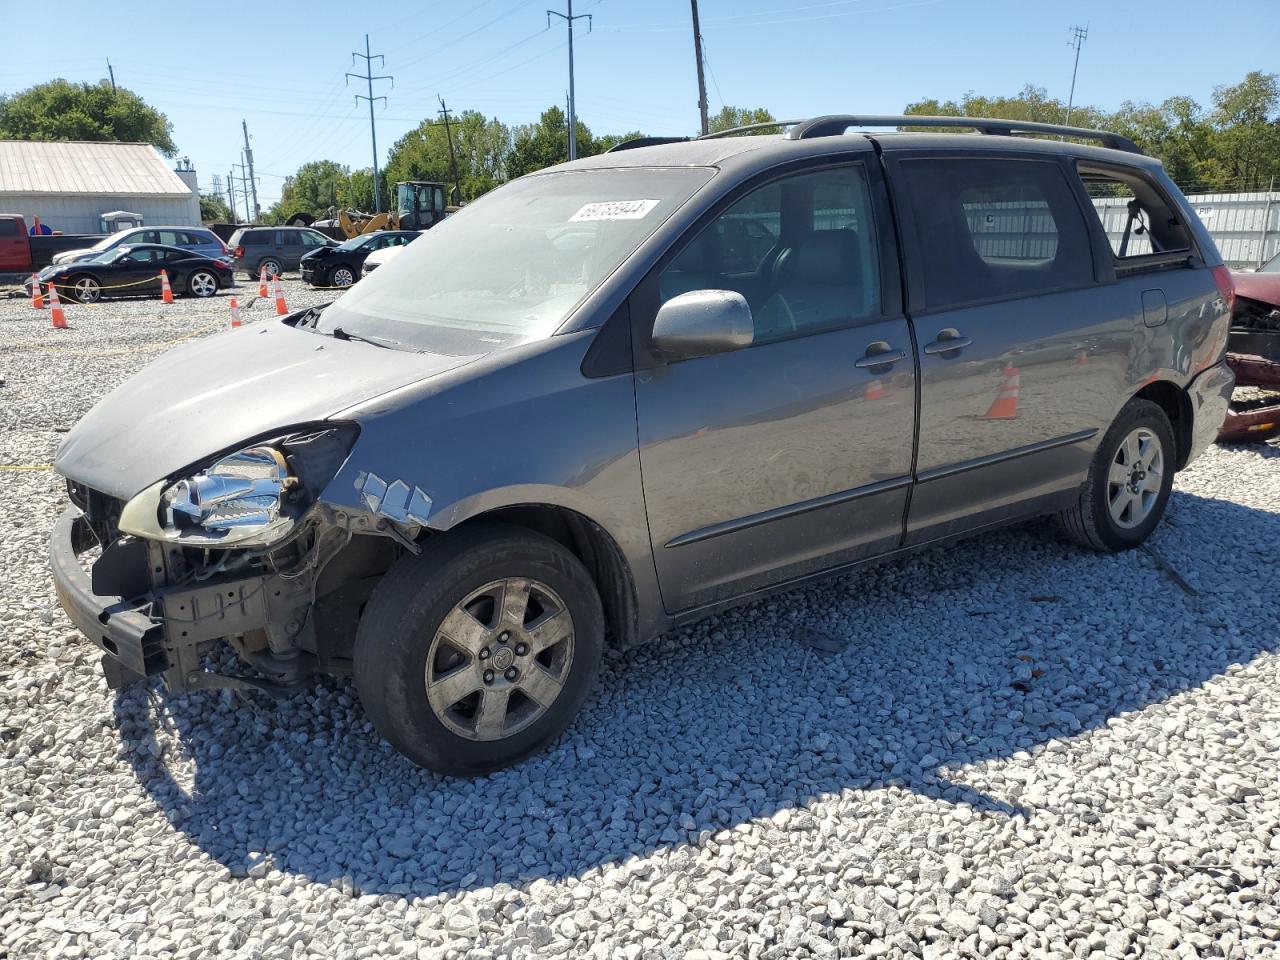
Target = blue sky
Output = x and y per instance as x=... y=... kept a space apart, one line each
x=634 y=70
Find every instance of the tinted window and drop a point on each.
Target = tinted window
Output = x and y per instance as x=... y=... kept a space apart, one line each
x=144 y=236
x=141 y=256
x=800 y=250
x=310 y=239
x=1134 y=215
x=171 y=237
x=256 y=236
x=995 y=228
x=9 y=228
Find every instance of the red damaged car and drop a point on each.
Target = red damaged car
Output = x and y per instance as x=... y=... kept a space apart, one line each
x=1253 y=352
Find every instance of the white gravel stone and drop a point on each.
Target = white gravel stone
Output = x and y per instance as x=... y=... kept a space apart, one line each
x=1023 y=750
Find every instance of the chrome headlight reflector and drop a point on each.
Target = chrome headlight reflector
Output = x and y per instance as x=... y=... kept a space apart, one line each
x=251 y=498
x=241 y=493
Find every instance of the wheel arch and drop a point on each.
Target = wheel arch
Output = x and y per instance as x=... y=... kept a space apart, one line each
x=1175 y=403
x=590 y=543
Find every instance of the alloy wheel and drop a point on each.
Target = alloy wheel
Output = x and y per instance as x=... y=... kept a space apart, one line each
x=202 y=285
x=88 y=290
x=343 y=277
x=1135 y=478
x=500 y=658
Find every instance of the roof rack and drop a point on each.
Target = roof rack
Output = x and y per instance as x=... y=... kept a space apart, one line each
x=749 y=128
x=832 y=126
x=644 y=142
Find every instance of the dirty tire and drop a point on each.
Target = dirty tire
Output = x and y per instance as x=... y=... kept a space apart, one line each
x=1090 y=522
x=407 y=608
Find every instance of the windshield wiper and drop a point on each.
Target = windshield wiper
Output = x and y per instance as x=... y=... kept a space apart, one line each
x=340 y=334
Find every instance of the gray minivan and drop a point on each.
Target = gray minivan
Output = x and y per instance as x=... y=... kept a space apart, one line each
x=620 y=394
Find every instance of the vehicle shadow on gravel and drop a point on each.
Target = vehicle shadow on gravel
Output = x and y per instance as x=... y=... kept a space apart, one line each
x=959 y=658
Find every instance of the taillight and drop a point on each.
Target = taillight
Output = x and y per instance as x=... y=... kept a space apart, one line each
x=240 y=251
x=1222 y=277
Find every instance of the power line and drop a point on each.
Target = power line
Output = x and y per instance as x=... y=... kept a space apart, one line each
x=368 y=77
x=1078 y=37
x=568 y=18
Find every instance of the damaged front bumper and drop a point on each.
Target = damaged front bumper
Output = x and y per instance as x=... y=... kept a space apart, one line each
x=146 y=630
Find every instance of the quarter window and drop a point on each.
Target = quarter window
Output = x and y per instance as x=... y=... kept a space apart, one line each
x=1136 y=218
x=989 y=229
x=801 y=250
x=9 y=228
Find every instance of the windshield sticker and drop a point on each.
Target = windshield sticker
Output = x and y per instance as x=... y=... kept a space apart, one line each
x=614 y=210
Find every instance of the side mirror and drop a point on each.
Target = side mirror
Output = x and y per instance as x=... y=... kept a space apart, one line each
x=703 y=322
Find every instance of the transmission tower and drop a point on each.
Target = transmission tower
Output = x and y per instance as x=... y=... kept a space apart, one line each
x=368 y=77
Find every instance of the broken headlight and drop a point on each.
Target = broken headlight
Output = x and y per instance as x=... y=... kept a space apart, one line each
x=242 y=495
x=251 y=498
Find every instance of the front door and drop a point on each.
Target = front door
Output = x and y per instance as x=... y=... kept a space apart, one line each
x=1019 y=353
x=794 y=454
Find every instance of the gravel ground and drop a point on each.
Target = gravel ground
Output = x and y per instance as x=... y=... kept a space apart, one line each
x=1022 y=750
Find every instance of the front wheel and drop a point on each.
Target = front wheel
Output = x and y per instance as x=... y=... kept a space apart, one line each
x=481 y=650
x=86 y=290
x=342 y=277
x=1129 y=481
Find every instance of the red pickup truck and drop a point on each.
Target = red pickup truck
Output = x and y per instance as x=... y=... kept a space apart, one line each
x=21 y=253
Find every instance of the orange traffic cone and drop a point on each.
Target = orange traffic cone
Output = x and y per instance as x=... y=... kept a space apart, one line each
x=1006 y=402
x=235 y=314
x=37 y=298
x=262 y=283
x=874 y=390
x=166 y=291
x=59 y=318
x=281 y=309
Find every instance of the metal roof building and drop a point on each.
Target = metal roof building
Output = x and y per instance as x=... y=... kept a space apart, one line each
x=69 y=185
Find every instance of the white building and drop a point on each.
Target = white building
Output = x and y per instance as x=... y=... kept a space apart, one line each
x=69 y=185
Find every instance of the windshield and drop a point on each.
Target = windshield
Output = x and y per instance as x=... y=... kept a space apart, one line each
x=106 y=256
x=509 y=268
x=107 y=241
x=355 y=243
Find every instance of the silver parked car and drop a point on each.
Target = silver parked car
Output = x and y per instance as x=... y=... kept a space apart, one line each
x=199 y=240
x=618 y=395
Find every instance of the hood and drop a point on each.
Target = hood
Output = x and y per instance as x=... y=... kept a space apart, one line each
x=216 y=393
x=1264 y=287
x=66 y=256
x=319 y=253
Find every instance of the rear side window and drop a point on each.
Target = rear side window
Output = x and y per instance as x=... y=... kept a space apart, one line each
x=9 y=228
x=256 y=236
x=1134 y=214
x=993 y=228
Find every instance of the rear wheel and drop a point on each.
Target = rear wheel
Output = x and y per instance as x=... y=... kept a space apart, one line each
x=202 y=283
x=271 y=266
x=86 y=289
x=1129 y=481
x=479 y=651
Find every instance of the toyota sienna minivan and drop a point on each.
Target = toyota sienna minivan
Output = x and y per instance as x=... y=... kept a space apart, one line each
x=622 y=393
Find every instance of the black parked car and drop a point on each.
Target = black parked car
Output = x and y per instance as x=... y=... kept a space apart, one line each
x=134 y=270
x=340 y=266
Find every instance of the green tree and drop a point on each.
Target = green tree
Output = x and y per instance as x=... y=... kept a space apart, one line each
x=59 y=110
x=313 y=189
x=545 y=143
x=607 y=141
x=481 y=147
x=213 y=209
x=1247 y=130
x=730 y=117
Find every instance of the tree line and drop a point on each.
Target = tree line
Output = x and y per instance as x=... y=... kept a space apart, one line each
x=1230 y=144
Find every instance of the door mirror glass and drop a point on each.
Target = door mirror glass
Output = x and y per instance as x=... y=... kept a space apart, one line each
x=703 y=322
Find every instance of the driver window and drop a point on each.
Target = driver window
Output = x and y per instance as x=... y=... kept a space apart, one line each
x=801 y=250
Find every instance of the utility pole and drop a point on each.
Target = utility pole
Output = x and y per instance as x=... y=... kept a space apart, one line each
x=453 y=159
x=112 y=74
x=249 y=215
x=253 y=183
x=1078 y=37
x=368 y=78
x=568 y=18
x=231 y=194
x=702 y=83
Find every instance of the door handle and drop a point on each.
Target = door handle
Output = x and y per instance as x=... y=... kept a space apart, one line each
x=885 y=356
x=949 y=341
